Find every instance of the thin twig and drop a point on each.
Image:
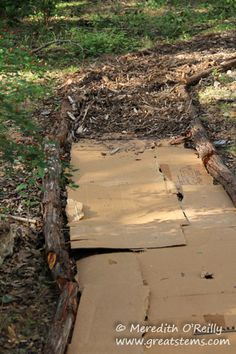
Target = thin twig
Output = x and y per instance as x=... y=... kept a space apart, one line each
x=57 y=41
x=19 y=218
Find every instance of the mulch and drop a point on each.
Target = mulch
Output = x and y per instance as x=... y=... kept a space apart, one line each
x=138 y=93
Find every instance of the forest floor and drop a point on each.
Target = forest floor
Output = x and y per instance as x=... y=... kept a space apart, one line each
x=124 y=85
x=137 y=94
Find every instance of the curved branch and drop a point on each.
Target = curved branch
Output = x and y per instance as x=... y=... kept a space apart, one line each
x=57 y=41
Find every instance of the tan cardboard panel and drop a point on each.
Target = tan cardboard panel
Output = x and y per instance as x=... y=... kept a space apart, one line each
x=192 y=307
x=109 y=268
x=182 y=166
x=207 y=206
x=135 y=204
x=109 y=145
x=181 y=271
x=135 y=216
x=186 y=174
x=125 y=204
x=99 y=313
x=129 y=237
x=110 y=296
x=206 y=197
x=120 y=168
x=114 y=292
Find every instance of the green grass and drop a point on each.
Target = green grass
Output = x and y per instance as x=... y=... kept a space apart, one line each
x=22 y=85
x=115 y=27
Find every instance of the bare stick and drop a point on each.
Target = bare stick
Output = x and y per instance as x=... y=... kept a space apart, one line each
x=57 y=41
x=19 y=218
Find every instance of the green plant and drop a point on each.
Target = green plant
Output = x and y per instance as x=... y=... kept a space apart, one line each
x=47 y=8
x=15 y=9
x=21 y=141
x=225 y=8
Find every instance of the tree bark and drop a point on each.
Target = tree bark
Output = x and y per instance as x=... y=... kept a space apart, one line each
x=64 y=320
x=207 y=152
x=226 y=65
x=212 y=161
x=57 y=252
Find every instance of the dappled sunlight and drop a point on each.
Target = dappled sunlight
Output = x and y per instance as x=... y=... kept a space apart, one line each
x=159 y=218
x=212 y=216
x=127 y=198
x=214 y=93
x=117 y=27
x=123 y=198
x=63 y=5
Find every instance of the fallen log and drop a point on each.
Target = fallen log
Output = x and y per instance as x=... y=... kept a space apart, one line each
x=64 y=320
x=207 y=152
x=57 y=255
x=57 y=252
x=212 y=161
x=226 y=65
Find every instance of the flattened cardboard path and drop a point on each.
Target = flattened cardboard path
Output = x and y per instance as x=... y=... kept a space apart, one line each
x=135 y=195
x=124 y=198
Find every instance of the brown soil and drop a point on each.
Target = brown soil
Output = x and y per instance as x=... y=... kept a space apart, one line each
x=27 y=293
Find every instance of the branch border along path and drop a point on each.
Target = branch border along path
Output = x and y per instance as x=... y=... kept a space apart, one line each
x=58 y=259
x=57 y=252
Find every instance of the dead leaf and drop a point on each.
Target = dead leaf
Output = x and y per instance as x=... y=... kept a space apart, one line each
x=12 y=332
x=52 y=257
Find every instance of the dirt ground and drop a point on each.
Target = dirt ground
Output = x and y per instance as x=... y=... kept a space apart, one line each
x=134 y=95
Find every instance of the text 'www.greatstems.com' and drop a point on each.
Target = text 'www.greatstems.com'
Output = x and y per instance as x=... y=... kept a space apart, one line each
x=151 y=342
x=188 y=334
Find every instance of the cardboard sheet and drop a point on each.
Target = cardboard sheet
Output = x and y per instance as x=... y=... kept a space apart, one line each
x=203 y=203
x=110 y=295
x=182 y=166
x=208 y=251
x=179 y=292
x=128 y=203
x=155 y=287
x=208 y=206
x=125 y=203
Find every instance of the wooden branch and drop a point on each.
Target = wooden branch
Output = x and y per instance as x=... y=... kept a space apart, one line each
x=212 y=161
x=57 y=41
x=206 y=151
x=64 y=319
x=226 y=65
x=180 y=139
x=58 y=259
x=19 y=218
x=61 y=130
x=57 y=255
